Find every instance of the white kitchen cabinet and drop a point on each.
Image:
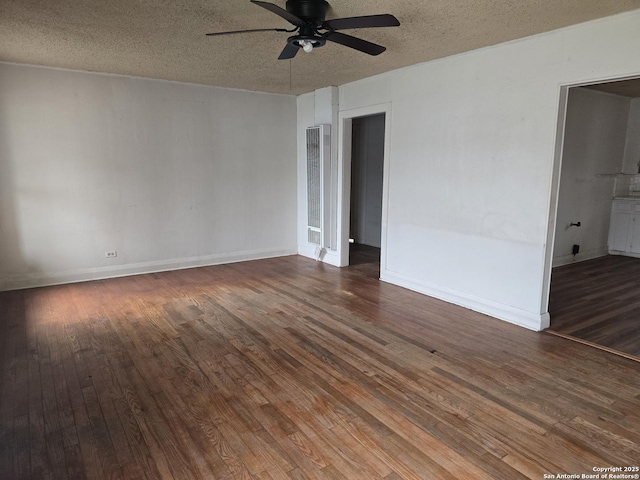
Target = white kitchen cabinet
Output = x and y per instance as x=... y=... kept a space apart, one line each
x=634 y=237
x=624 y=228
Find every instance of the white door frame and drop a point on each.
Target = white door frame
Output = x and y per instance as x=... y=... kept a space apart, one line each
x=345 y=138
x=563 y=95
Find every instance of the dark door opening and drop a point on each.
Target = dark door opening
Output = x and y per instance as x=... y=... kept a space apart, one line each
x=367 y=169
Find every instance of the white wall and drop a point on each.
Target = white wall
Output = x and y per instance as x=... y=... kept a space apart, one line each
x=317 y=108
x=472 y=160
x=632 y=145
x=305 y=118
x=170 y=175
x=594 y=143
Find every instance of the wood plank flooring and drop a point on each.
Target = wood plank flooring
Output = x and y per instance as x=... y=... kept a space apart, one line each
x=360 y=253
x=291 y=369
x=598 y=301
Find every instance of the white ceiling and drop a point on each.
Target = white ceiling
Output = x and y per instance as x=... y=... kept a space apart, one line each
x=166 y=39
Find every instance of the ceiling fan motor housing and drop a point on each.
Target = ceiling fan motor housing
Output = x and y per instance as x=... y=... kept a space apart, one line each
x=312 y=11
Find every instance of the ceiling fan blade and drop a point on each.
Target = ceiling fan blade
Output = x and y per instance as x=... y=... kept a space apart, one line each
x=233 y=32
x=289 y=17
x=367 y=21
x=290 y=50
x=356 y=43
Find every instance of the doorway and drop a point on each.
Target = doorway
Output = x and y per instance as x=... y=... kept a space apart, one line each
x=346 y=119
x=592 y=295
x=367 y=173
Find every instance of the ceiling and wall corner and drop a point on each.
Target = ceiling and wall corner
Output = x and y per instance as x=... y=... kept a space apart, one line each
x=166 y=40
x=626 y=88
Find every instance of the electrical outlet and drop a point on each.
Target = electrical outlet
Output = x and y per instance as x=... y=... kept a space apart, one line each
x=111 y=254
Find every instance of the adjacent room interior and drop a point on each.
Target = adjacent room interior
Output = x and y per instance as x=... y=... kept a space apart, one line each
x=179 y=185
x=594 y=301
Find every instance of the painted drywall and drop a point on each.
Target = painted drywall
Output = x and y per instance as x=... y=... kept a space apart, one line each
x=632 y=145
x=305 y=119
x=471 y=162
x=367 y=166
x=169 y=175
x=317 y=108
x=594 y=143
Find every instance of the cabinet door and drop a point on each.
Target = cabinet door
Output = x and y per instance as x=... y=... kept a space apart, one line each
x=634 y=244
x=619 y=231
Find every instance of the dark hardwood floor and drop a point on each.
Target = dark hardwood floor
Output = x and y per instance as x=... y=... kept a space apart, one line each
x=599 y=301
x=360 y=254
x=291 y=369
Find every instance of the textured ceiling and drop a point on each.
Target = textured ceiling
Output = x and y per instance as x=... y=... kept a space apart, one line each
x=166 y=38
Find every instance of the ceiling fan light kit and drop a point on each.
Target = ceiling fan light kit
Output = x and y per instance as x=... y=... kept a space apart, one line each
x=313 y=31
x=308 y=44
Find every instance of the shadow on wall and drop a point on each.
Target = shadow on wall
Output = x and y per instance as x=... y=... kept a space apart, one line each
x=12 y=261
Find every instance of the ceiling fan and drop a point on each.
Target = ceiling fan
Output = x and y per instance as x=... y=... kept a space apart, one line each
x=312 y=30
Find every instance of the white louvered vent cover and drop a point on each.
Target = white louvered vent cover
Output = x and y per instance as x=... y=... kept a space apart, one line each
x=314 y=184
x=318 y=162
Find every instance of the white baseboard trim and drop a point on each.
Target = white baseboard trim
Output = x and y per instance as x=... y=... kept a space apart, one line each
x=44 y=279
x=330 y=256
x=580 y=257
x=531 y=321
x=624 y=254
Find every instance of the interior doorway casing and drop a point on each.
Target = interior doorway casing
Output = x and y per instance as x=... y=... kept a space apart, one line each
x=563 y=94
x=345 y=136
